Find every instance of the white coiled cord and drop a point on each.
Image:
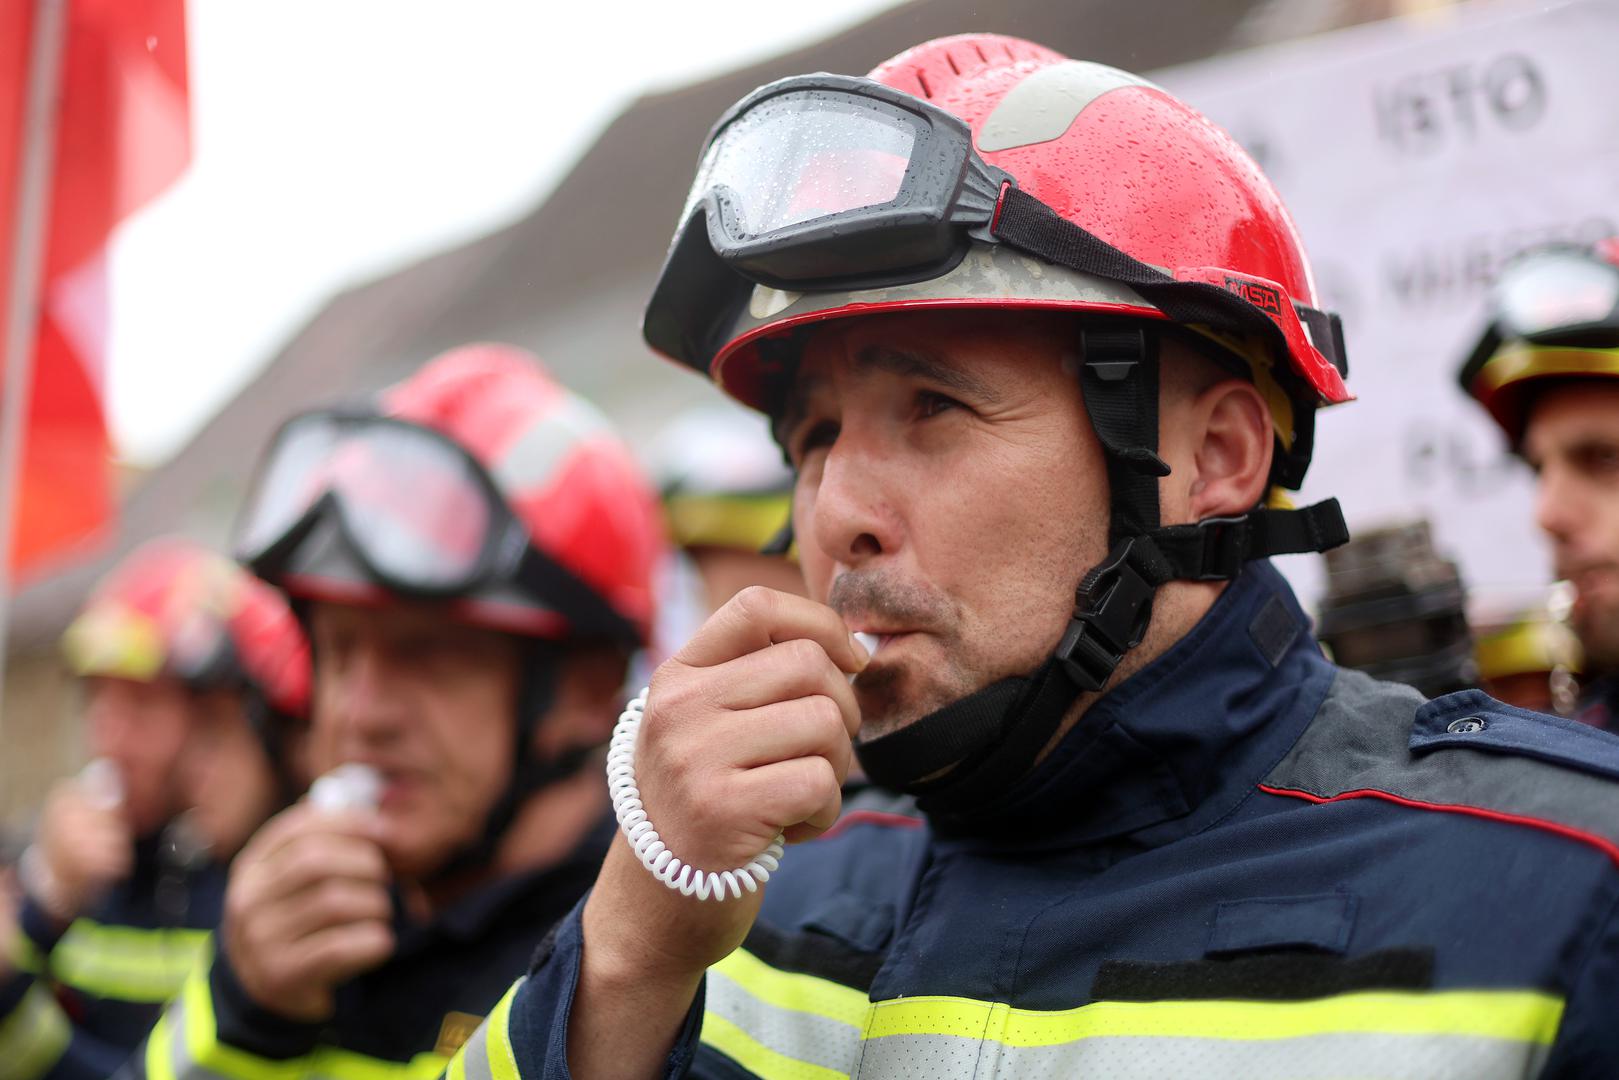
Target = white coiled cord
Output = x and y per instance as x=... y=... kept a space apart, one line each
x=649 y=848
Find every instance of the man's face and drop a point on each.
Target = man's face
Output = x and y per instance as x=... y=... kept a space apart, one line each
x=1572 y=441
x=428 y=702
x=225 y=776
x=140 y=727
x=950 y=494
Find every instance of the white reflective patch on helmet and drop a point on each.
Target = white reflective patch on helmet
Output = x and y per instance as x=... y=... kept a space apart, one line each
x=1044 y=105
x=767 y=302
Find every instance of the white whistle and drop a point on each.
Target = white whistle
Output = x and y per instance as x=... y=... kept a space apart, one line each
x=868 y=642
x=351 y=786
x=102 y=783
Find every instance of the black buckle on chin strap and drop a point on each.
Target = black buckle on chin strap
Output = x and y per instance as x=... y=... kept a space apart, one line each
x=1214 y=549
x=1112 y=608
x=1225 y=547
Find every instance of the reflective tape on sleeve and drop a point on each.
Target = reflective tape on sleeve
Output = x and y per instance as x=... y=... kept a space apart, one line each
x=34 y=1035
x=125 y=963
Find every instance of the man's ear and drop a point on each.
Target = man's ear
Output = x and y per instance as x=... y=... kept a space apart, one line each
x=1229 y=443
x=586 y=703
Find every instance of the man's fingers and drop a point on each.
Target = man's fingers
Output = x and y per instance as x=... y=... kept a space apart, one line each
x=792 y=792
x=289 y=825
x=803 y=727
x=784 y=672
x=313 y=858
x=333 y=956
x=757 y=618
x=323 y=905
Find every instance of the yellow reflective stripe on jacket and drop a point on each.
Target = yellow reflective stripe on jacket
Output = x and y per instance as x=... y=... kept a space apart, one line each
x=791 y=990
x=784 y=1024
x=126 y=963
x=487 y=1055
x=185 y=1046
x=34 y=1036
x=756 y=1057
x=1462 y=1035
x=1524 y=1016
x=23 y=954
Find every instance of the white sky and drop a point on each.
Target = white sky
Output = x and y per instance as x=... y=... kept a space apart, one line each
x=335 y=140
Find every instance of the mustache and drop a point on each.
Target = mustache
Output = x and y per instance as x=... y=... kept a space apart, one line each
x=882 y=595
x=1570 y=568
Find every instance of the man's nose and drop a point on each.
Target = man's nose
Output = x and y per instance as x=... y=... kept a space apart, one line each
x=856 y=515
x=1558 y=509
x=363 y=696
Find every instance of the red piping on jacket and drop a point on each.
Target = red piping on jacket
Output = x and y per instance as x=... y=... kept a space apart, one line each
x=1607 y=847
x=870 y=817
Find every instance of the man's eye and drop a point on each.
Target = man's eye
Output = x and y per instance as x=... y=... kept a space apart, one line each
x=1600 y=460
x=932 y=404
x=818 y=435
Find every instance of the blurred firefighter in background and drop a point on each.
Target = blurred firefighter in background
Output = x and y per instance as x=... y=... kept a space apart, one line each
x=473 y=556
x=1397 y=610
x=195 y=680
x=1546 y=368
x=727 y=499
x=1527 y=653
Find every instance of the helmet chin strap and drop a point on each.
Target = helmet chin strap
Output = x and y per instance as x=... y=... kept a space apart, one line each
x=529 y=773
x=975 y=750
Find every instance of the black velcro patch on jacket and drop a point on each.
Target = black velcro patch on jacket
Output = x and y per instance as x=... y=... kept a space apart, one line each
x=1275 y=976
x=820 y=955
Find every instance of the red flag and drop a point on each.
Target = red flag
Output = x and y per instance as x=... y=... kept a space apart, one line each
x=122 y=134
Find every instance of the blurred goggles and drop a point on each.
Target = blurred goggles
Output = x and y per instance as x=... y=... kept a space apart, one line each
x=828 y=182
x=416 y=509
x=1560 y=296
x=1556 y=314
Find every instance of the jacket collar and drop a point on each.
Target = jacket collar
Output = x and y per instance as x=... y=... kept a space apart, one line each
x=1181 y=742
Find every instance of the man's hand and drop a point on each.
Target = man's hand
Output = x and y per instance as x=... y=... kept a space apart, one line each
x=307 y=909
x=84 y=846
x=748 y=731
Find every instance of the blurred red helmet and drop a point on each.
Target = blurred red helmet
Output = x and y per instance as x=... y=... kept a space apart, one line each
x=532 y=450
x=172 y=608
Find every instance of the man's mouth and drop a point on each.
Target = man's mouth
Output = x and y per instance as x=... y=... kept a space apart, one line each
x=875 y=643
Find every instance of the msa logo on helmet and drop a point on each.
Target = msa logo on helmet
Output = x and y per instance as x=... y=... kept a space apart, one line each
x=1267 y=298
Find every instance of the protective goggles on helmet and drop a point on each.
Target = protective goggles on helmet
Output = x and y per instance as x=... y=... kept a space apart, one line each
x=1562 y=296
x=416 y=509
x=828 y=182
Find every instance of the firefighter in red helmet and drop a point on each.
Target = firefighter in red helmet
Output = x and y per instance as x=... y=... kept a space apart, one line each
x=195 y=677
x=473 y=557
x=1042 y=346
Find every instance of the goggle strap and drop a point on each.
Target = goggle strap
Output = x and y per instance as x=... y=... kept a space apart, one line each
x=1030 y=225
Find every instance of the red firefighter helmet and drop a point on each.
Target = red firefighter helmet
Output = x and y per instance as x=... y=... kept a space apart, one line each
x=1106 y=151
x=479 y=436
x=172 y=608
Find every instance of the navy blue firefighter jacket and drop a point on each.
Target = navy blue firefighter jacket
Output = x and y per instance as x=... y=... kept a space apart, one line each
x=1242 y=862
x=82 y=997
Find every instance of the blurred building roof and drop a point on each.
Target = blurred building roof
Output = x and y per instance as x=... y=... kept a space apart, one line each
x=568 y=280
